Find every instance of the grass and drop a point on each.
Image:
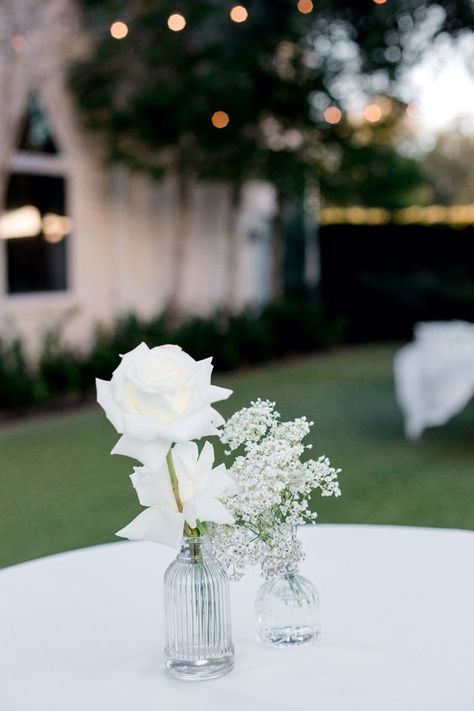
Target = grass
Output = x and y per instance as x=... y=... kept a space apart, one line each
x=61 y=489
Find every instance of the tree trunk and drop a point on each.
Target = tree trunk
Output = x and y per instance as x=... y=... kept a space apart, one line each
x=278 y=252
x=180 y=244
x=312 y=248
x=233 y=252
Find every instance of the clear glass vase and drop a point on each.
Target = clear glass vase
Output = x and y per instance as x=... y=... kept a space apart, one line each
x=287 y=611
x=198 y=630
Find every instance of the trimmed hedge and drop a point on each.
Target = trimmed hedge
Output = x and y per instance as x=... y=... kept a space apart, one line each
x=249 y=338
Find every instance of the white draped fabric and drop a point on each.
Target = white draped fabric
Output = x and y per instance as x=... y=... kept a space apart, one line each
x=83 y=631
x=434 y=375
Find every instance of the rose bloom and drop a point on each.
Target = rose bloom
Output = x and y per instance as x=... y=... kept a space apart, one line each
x=158 y=396
x=201 y=489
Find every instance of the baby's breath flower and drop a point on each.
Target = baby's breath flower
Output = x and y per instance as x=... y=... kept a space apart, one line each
x=274 y=488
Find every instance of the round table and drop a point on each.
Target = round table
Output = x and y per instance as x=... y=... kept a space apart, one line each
x=83 y=631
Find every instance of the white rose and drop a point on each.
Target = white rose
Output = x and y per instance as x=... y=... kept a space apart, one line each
x=159 y=396
x=200 y=487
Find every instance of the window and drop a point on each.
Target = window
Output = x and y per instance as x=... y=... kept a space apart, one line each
x=34 y=224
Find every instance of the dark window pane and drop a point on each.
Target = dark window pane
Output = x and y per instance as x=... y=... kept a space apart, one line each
x=36 y=135
x=38 y=263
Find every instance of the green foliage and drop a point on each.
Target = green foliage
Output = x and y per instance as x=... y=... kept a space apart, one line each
x=19 y=388
x=59 y=368
x=249 y=338
x=374 y=175
x=274 y=74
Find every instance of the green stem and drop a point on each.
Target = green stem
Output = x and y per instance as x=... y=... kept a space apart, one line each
x=188 y=531
x=174 y=480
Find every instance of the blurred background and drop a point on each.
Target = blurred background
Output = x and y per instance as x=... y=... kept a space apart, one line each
x=285 y=185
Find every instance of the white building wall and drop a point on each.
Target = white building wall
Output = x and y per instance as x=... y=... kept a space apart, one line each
x=123 y=224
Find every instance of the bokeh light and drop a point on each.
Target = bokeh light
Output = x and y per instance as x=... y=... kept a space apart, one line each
x=373 y=113
x=118 y=30
x=19 y=43
x=220 y=119
x=176 y=22
x=333 y=115
x=412 y=111
x=305 y=6
x=239 y=13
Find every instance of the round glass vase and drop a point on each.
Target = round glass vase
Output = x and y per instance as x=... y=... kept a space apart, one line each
x=287 y=611
x=198 y=629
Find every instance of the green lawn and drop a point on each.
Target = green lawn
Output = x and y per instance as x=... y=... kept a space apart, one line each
x=62 y=490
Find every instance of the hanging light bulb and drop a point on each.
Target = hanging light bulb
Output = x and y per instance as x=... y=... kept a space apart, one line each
x=333 y=115
x=176 y=22
x=373 y=113
x=220 y=119
x=118 y=30
x=239 y=13
x=305 y=6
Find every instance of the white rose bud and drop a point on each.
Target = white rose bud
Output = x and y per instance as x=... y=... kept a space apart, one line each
x=159 y=396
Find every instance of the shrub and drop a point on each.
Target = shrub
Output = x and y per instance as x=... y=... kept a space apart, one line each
x=19 y=387
x=251 y=337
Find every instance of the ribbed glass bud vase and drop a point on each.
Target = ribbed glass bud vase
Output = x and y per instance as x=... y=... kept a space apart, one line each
x=198 y=630
x=287 y=611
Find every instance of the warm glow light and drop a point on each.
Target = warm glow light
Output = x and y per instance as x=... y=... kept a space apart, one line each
x=55 y=227
x=220 y=119
x=305 y=6
x=333 y=115
x=23 y=222
x=412 y=111
x=176 y=22
x=380 y=2
x=19 y=43
x=373 y=113
x=118 y=30
x=238 y=13
x=456 y=215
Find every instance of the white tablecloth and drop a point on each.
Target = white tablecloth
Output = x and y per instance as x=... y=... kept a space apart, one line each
x=82 y=631
x=434 y=375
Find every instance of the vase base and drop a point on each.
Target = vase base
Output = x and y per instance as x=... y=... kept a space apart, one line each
x=288 y=636
x=199 y=669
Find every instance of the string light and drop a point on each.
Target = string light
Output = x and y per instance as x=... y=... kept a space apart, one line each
x=333 y=115
x=220 y=119
x=305 y=6
x=239 y=13
x=19 y=43
x=373 y=113
x=176 y=22
x=118 y=30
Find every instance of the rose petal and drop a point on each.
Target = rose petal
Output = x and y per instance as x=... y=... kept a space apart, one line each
x=218 y=484
x=108 y=404
x=144 y=428
x=154 y=488
x=152 y=454
x=185 y=457
x=217 y=393
x=216 y=418
x=157 y=526
x=195 y=426
x=210 y=510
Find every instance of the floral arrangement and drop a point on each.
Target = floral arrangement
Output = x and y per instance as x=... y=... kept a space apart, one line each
x=160 y=401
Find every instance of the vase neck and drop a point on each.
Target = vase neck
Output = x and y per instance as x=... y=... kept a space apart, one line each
x=194 y=548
